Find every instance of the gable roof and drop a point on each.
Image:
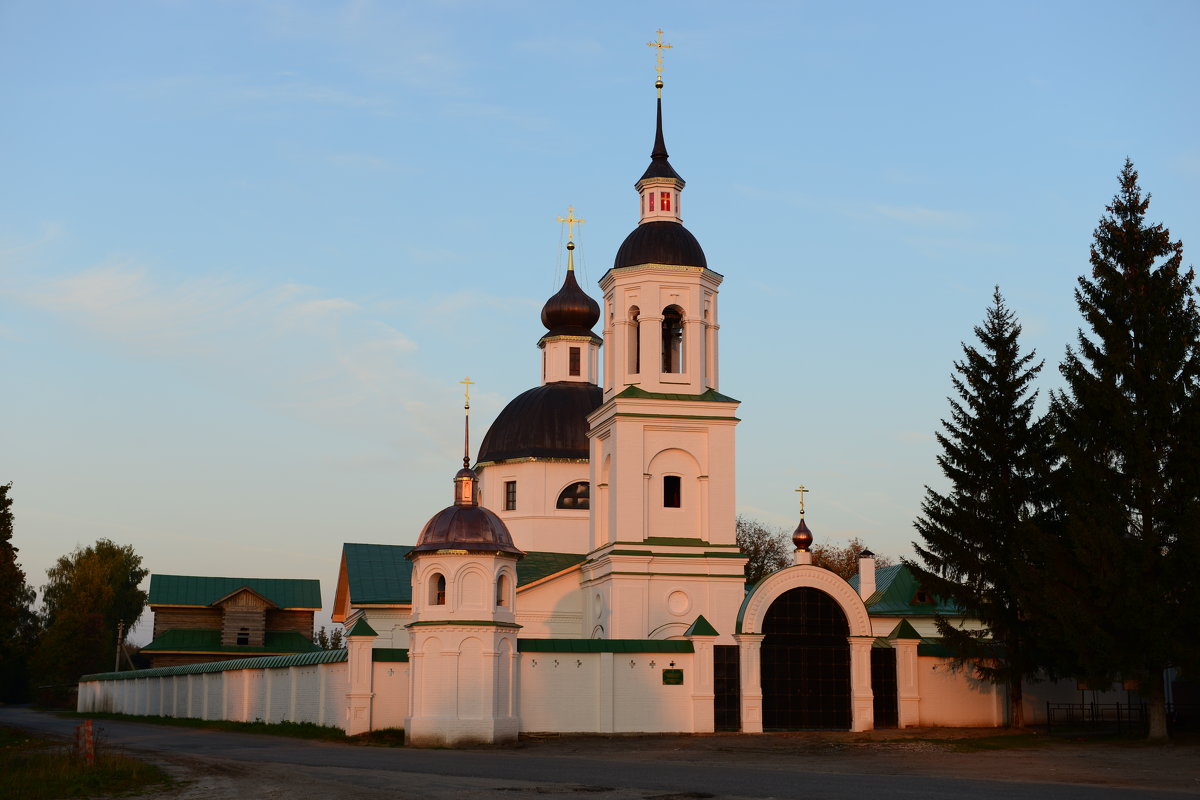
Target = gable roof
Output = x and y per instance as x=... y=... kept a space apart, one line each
x=895 y=595
x=379 y=574
x=194 y=590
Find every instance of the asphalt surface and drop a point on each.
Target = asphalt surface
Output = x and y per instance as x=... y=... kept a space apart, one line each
x=507 y=773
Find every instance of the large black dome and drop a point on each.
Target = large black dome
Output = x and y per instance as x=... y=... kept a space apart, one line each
x=660 y=243
x=549 y=421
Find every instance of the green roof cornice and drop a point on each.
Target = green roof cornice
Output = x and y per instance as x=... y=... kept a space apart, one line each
x=708 y=396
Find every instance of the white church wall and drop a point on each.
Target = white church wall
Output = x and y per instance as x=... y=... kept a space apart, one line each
x=552 y=609
x=604 y=693
x=535 y=524
x=951 y=699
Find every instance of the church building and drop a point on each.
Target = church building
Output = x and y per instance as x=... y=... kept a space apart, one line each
x=585 y=576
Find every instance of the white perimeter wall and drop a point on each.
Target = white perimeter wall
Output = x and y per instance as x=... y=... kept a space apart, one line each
x=314 y=693
x=605 y=692
x=951 y=699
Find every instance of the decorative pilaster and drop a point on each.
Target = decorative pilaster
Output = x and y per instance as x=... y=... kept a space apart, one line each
x=361 y=668
x=703 y=636
x=750 y=669
x=862 y=703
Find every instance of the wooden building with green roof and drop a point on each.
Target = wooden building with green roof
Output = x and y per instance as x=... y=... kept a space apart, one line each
x=203 y=618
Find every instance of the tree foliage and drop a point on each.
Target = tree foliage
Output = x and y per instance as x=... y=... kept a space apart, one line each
x=90 y=592
x=18 y=624
x=768 y=549
x=977 y=537
x=1124 y=602
x=328 y=640
x=843 y=561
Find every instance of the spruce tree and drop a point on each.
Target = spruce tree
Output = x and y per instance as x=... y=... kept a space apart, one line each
x=1124 y=596
x=18 y=624
x=977 y=536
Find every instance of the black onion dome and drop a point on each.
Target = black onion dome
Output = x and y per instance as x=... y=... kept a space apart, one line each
x=549 y=421
x=466 y=527
x=660 y=167
x=802 y=537
x=570 y=312
x=661 y=242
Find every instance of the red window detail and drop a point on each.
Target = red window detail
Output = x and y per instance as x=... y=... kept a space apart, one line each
x=650 y=203
x=666 y=201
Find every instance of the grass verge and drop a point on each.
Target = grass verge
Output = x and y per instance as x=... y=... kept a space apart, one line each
x=41 y=769
x=386 y=737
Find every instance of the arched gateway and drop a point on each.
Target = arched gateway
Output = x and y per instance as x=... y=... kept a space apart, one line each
x=805 y=653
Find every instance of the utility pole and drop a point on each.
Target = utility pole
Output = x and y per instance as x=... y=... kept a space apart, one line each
x=120 y=638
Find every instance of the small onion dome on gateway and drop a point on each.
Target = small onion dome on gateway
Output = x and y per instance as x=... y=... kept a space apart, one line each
x=802 y=537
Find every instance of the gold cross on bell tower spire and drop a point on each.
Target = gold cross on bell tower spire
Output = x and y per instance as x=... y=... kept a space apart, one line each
x=467 y=384
x=802 y=491
x=658 y=64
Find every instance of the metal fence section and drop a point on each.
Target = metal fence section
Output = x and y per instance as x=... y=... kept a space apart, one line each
x=1065 y=719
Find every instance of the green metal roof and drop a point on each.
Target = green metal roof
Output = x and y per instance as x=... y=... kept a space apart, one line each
x=361 y=628
x=380 y=573
x=895 y=595
x=195 y=590
x=710 y=395
x=604 y=646
x=701 y=627
x=904 y=630
x=262 y=662
x=185 y=640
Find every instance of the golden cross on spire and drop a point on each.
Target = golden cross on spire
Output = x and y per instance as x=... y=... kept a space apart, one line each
x=658 y=67
x=571 y=221
x=802 y=492
x=467 y=384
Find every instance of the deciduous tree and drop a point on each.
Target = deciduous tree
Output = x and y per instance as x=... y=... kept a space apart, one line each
x=90 y=592
x=844 y=560
x=976 y=537
x=768 y=549
x=18 y=624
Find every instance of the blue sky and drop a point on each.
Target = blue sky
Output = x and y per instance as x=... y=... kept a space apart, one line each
x=248 y=249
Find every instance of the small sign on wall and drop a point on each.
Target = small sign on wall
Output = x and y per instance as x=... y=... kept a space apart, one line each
x=672 y=677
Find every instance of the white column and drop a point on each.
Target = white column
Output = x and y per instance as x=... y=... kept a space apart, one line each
x=906 y=682
x=862 y=707
x=361 y=671
x=703 y=693
x=750 y=674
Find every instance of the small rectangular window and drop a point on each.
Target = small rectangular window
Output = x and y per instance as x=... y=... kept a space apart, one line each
x=510 y=495
x=574 y=360
x=666 y=201
x=650 y=203
x=672 y=491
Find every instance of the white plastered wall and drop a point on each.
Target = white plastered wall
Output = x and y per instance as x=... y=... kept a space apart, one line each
x=536 y=524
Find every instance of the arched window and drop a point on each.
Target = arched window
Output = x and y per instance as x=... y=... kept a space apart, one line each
x=635 y=341
x=502 y=590
x=672 y=339
x=576 y=497
x=437 y=589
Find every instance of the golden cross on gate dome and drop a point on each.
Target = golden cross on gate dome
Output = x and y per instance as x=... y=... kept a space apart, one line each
x=658 y=67
x=467 y=384
x=802 y=492
x=571 y=221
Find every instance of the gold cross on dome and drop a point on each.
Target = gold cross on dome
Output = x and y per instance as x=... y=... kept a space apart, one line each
x=658 y=64
x=571 y=221
x=467 y=384
x=802 y=492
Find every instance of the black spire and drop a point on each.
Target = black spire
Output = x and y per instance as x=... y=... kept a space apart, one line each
x=660 y=167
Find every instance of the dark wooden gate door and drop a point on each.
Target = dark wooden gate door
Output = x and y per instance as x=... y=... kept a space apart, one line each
x=805 y=663
x=727 y=688
x=883 y=686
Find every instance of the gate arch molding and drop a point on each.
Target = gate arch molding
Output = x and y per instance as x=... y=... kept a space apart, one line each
x=754 y=607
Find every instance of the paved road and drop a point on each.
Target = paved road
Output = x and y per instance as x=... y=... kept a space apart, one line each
x=352 y=771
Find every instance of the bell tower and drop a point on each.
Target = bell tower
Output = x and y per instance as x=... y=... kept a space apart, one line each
x=662 y=535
